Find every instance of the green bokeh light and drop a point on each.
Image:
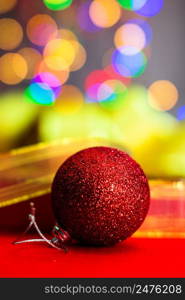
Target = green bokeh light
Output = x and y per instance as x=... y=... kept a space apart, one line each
x=132 y=4
x=114 y=99
x=57 y=4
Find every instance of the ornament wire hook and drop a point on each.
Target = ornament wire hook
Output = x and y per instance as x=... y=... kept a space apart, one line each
x=56 y=242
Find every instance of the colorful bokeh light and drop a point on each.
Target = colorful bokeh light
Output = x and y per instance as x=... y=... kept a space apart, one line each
x=111 y=94
x=144 y=25
x=147 y=8
x=59 y=54
x=61 y=75
x=40 y=93
x=162 y=95
x=40 y=29
x=112 y=74
x=92 y=93
x=110 y=40
x=57 y=4
x=33 y=59
x=13 y=68
x=151 y=8
x=11 y=34
x=66 y=34
x=84 y=19
x=80 y=57
x=130 y=37
x=48 y=78
x=97 y=78
x=104 y=13
x=132 y=4
x=129 y=65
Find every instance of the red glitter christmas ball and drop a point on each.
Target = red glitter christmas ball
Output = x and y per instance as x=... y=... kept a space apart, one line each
x=100 y=196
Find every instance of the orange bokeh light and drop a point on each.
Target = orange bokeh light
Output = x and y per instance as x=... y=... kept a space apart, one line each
x=59 y=54
x=32 y=58
x=162 y=95
x=105 y=13
x=80 y=56
x=41 y=28
x=11 y=34
x=13 y=68
x=7 y=5
x=66 y=34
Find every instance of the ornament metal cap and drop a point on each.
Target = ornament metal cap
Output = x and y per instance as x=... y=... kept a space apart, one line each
x=58 y=241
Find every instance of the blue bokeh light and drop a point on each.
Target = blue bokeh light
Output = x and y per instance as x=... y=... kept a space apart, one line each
x=129 y=65
x=40 y=93
x=181 y=113
x=151 y=8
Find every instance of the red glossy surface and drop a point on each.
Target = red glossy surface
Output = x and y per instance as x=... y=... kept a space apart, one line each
x=131 y=258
